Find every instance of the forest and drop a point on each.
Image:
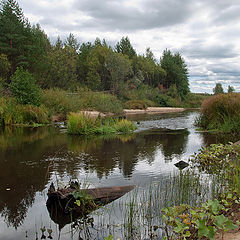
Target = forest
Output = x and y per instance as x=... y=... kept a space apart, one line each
x=46 y=78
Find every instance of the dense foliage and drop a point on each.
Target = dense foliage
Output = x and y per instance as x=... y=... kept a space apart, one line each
x=24 y=89
x=98 y=66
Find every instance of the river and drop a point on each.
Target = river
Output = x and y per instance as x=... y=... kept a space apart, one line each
x=32 y=158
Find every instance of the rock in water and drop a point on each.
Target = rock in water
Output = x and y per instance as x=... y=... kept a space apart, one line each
x=181 y=165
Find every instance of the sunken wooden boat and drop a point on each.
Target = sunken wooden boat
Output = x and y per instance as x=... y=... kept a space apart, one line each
x=63 y=206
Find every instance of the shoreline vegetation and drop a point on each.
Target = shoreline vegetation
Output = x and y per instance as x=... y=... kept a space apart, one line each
x=84 y=124
x=220 y=113
x=69 y=76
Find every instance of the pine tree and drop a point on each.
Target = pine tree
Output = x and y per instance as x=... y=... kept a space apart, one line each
x=15 y=34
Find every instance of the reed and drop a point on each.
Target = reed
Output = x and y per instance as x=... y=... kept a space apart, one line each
x=83 y=124
x=221 y=112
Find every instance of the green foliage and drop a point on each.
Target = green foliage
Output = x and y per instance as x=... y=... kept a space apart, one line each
x=164 y=100
x=83 y=124
x=24 y=89
x=177 y=72
x=218 y=89
x=138 y=104
x=125 y=47
x=61 y=102
x=222 y=160
x=221 y=112
x=13 y=113
x=231 y=89
x=5 y=66
x=62 y=68
x=119 y=67
x=16 y=39
x=57 y=101
x=194 y=100
x=196 y=222
x=110 y=237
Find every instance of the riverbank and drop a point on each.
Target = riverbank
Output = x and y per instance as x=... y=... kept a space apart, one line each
x=153 y=110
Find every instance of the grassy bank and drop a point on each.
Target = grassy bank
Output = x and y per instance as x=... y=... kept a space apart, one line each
x=12 y=113
x=221 y=113
x=83 y=124
x=59 y=102
x=62 y=102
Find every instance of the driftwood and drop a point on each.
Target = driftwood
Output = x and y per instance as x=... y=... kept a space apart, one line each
x=63 y=209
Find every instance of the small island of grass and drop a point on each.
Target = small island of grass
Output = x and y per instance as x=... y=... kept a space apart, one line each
x=83 y=124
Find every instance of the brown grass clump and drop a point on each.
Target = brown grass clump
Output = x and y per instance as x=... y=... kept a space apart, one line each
x=221 y=112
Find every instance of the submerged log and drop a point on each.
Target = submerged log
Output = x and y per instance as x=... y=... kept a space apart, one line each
x=62 y=206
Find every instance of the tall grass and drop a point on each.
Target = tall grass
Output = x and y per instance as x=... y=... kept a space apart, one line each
x=13 y=113
x=83 y=124
x=221 y=112
x=138 y=215
x=61 y=102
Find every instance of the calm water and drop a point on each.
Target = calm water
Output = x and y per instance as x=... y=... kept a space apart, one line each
x=31 y=159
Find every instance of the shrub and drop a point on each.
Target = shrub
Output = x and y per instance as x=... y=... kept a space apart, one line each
x=139 y=104
x=166 y=101
x=194 y=100
x=135 y=104
x=57 y=101
x=24 y=89
x=221 y=112
x=101 y=102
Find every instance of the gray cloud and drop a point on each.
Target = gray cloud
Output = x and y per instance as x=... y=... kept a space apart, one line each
x=205 y=32
x=117 y=15
x=201 y=49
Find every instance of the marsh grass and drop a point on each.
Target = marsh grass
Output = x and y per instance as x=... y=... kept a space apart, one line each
x=13 y=113
x=221 y=112
x=83 y=124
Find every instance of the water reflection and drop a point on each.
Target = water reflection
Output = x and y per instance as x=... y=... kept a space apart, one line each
x=30 y=158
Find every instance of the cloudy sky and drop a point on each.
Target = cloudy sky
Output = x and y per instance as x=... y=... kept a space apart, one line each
x=205 y=32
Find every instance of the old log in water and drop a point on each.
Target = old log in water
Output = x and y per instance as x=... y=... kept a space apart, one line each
x=63 y=209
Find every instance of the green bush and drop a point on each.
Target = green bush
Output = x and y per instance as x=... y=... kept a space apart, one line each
x=57 y=101
x=138 y=104
x=221 y=112
x=194 y=100
x=164 y=100
x=24 y=88
x=100 y=102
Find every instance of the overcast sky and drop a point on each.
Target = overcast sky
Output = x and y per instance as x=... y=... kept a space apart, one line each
x=205 y=32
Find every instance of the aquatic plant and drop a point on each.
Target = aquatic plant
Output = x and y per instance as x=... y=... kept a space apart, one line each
x=83 y=124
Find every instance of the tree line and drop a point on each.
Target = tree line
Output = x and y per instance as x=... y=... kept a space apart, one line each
x=68 y=64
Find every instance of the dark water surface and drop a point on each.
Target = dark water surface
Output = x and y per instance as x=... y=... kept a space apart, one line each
x=32 y=158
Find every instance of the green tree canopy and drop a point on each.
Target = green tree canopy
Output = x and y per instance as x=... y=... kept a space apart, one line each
x=62 y=68
x=23 y=87
x=125 y=47
x=177 y=72
x=218 y=89
x=231 y=89
x=15 y=34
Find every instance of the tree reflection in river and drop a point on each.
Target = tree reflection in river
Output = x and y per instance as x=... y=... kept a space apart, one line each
x=25 y=155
